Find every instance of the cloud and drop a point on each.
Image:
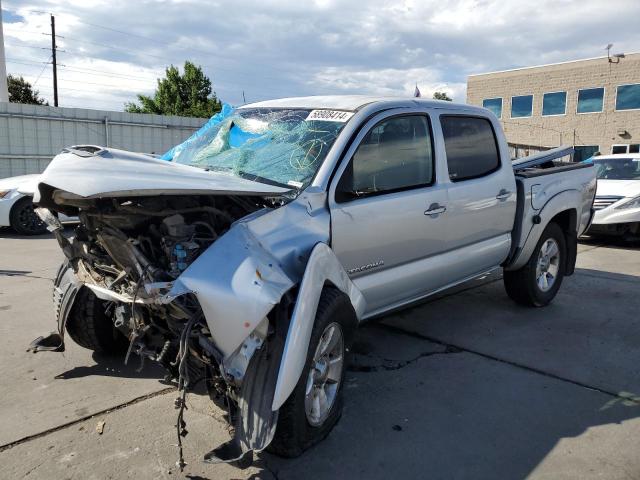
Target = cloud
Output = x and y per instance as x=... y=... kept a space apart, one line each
x=115 y=49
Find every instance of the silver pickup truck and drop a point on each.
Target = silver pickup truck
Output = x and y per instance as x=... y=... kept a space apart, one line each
x=248 y=260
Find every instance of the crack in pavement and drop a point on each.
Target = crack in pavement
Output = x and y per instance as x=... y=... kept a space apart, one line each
x=389 y=365
x=401 y=331
x=44 y=433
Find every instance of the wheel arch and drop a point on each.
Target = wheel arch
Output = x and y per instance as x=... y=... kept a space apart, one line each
x=323 y=271
x=567 y=220
x=559 y=210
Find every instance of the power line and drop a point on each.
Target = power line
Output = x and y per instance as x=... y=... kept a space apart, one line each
x=41 y=71
x=10 y=60
x=88 y=71
x=21 y=30
x=137 y=79
x=25 y=46
x=77 y=81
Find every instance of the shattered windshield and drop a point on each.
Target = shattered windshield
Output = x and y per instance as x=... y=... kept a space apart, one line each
x=618 y=168
x=283 y=147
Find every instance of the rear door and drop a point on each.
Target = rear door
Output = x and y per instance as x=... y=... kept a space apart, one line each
x=388 y=209
x=481 y=194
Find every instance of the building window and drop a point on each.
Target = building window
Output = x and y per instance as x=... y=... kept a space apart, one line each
x=494 y=105
x=554 y=103
x=618 y=149
x=521 y=106
x=628 y=97
x=590 y=100
x=582 y=152
x=624 y=148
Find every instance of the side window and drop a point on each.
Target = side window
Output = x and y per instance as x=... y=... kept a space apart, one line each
x=396 y=154
x=470 y=143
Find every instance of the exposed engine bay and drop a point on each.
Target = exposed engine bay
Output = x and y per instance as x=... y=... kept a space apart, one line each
x=128 y=250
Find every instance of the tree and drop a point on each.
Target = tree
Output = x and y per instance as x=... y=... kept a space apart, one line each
x=441 y=96
x=21 y=91
x=187 y=95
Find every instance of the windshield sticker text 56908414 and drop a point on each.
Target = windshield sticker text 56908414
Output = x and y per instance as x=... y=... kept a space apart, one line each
x=329 y=115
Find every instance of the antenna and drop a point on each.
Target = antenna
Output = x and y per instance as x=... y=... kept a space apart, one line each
x=617 y=56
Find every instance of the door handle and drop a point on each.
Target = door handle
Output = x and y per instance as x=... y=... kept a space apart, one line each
x=503 y=195
x=435 y=209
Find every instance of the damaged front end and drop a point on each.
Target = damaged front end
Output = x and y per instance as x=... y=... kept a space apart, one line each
x=186 y=290
x=214 y=272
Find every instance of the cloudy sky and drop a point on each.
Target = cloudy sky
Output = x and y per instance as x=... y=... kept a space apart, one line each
x=112 y=49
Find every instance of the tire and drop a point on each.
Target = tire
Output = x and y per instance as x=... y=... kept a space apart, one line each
x=24 y=220
x=91 y=328
x=294 y=432
x=523 y=285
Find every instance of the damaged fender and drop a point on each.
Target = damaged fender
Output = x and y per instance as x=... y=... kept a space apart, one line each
x=322 y=267
x=237 y=283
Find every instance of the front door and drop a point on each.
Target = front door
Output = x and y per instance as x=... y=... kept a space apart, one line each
x=388 y=212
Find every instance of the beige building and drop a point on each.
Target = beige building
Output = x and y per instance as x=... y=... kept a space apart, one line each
x=593 y=104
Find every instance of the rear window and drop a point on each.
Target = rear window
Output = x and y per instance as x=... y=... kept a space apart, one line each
x=471 y=147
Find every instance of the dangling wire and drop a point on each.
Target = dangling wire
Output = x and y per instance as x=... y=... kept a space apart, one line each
x=182 y=361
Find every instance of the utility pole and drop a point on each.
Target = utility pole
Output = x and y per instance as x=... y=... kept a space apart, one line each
x=53 y=61
x=4 y=90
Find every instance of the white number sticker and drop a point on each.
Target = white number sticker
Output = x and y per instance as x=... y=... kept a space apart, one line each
x=330 y=115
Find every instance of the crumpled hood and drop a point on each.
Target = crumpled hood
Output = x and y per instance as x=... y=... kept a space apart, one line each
x=620 y=188
x=116 y=173
x=24 y=183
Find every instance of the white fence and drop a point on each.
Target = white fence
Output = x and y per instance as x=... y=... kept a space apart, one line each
x=31 y=135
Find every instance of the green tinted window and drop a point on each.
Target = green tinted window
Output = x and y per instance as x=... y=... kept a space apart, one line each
x=493 y=104
x=554 y=103
x=590 y=100
x=521 y=106
x=628 y=97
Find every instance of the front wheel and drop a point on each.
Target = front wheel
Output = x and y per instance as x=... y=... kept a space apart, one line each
x=23 y=218
x=315 y=405
x=91 y=327
x=538 y=282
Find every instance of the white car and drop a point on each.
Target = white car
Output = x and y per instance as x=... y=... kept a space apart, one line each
x=617 y=202
x=16 y=205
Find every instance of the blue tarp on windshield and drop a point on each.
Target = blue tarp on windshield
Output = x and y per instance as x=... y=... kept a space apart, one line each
x=213 y=121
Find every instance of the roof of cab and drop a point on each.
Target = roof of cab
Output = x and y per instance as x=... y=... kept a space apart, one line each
x=352 y=102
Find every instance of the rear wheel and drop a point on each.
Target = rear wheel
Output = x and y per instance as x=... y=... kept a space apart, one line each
x=315 y=405
x=538 y=282
x=90 y=327
x=23 y=218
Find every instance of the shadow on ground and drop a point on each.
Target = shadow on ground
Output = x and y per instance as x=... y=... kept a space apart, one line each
x=419 y=405
x=113 y=366
x=612 y=242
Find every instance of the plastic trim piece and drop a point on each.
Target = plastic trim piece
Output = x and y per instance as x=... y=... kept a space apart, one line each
x=323 y=267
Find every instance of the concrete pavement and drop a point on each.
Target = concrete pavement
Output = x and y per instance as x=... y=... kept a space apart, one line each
x=466 y=386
